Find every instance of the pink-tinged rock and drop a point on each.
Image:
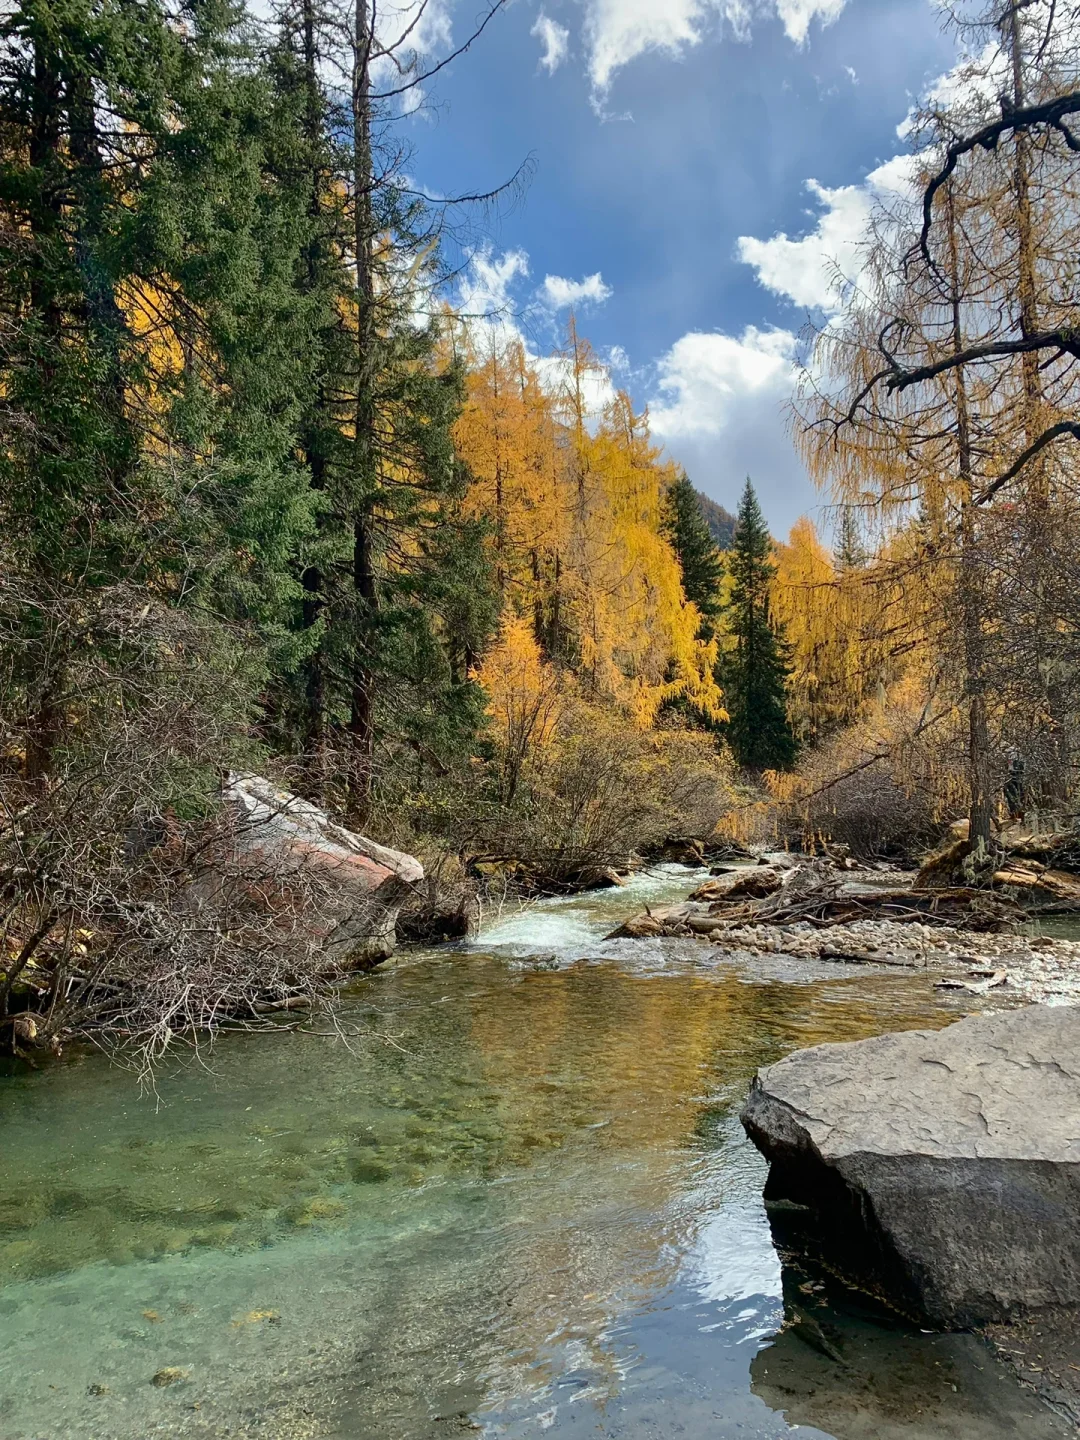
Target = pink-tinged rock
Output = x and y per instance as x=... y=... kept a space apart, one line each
x=350 y=888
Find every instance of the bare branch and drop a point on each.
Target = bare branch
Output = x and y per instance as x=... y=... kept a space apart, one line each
x=1066 y=339
x=461 y=49
x=1026 y=117
x=1055 y=432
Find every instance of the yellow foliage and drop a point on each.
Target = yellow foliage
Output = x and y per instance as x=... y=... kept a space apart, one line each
x=574 y=502
x=855 y=634
x=823 y=612
x=525 y=697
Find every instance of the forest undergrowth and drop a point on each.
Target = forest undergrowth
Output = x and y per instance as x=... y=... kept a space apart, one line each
x=270 y=503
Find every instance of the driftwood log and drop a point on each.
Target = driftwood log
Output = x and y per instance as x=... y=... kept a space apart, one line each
x=816 y=894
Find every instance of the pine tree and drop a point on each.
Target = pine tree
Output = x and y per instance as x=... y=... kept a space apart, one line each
x=850 y=548
x=702 y=568
x=396 y=596
x=155 y=344
x=756 y=672
x=305 y=159
x=69 y=451
x=242 y=329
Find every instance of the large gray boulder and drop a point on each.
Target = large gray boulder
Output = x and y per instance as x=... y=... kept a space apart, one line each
x=342 y=890
x=939 y=1168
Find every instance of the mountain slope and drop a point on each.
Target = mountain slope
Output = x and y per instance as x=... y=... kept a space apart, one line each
x=721 y=522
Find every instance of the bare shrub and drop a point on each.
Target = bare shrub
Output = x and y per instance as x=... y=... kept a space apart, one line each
x=884 y=787
x=110 y=929
x=604 y=788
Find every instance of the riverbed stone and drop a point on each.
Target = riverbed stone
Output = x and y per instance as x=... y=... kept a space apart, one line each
x=939 y=1168
x=169 y=1375
x=839 y=1368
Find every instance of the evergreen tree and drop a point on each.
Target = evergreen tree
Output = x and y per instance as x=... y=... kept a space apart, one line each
x=233 y=231
x=756 y=672
x=154 y=345
x=396 y=598
x=850 y=549
x=412 y=610
x=68 y=247
x=308 y=162
x=702 y=567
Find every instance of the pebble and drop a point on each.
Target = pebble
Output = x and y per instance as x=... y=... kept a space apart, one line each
x=1039 y=967
x=169 y=1375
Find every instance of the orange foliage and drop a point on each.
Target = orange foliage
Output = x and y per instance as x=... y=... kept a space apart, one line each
x=574 y=500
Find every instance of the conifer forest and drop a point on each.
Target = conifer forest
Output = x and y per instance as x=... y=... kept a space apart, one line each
x=539 y=816
x=271 y=504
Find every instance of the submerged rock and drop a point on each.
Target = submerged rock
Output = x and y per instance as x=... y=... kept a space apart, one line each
x=169 y=1375
x=745 y=884
x=781 y=859
x=844 y=1368
x=599 y=877
x=940 y=1169
x=682 y=850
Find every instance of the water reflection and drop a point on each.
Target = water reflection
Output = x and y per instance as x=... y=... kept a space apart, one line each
x=518 y=1201
x=838 y=1363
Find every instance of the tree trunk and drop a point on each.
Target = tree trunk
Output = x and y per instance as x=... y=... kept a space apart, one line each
x=45 y=213
x=105 y=322
x=312 y=579
x=1027 y=292
x=1036 y=479
x=361 y=718
x=972 y=600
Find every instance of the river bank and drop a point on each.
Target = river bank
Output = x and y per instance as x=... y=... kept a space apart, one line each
x=507 y=1194
x=806 y=911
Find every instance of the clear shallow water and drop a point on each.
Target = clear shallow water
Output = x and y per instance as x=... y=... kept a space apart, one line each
x=514 y=1200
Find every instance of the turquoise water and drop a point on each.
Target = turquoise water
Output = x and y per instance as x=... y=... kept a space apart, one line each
x=506 y=1195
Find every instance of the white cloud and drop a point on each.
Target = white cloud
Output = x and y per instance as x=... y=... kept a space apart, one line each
x=806 y=271
x=720 y=408
x=595 y=384
x=493 y=302
x=706 y=376
x=485 y=295
x=797 y=15
x=895 y=177
x=427 y=28
x=559 y=293
x=816 y=270
x=973 y=81
x=555 y=39
x=410 y=33
x=721 y=403
x=618 y=31
x=413 y=34
x=490 y=293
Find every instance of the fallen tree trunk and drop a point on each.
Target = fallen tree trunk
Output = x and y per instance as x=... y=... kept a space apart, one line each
x=815 y=894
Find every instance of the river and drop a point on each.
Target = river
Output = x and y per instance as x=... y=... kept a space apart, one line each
x=509 y=1196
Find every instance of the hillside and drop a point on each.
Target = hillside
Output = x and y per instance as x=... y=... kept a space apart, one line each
x=721 y=522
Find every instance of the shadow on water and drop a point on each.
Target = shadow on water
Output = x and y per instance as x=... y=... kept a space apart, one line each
x=516 y=1201
x=842 y=1365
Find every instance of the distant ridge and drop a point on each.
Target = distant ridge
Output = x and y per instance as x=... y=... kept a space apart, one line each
x=721 y=522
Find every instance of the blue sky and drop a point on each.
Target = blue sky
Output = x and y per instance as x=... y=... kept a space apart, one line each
x=673 y=154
